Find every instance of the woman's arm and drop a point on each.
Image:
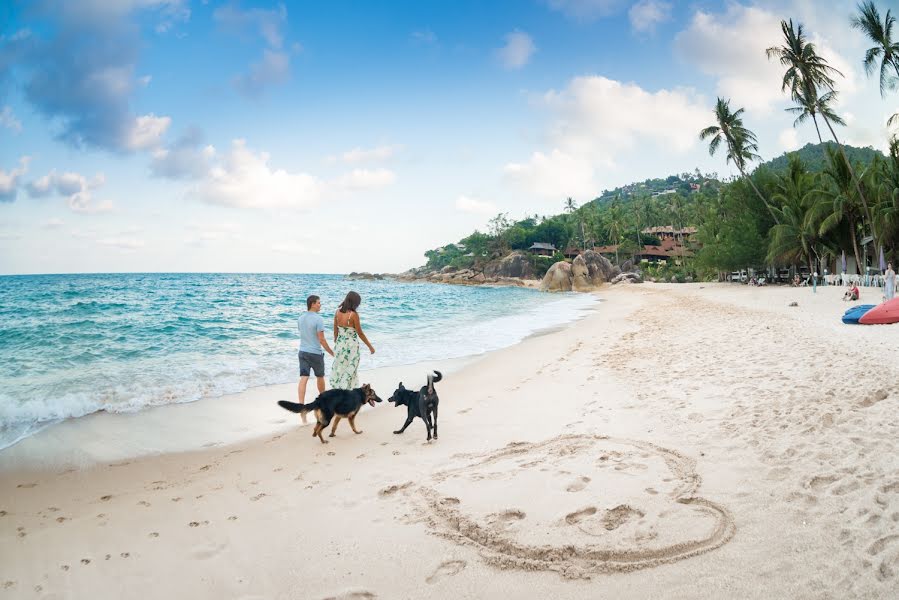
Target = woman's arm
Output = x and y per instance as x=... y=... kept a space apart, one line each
x=335 y=328
x=358 y=326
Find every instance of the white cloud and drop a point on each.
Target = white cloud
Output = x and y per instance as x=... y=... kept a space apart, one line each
x=125 y=243
x=201 y=235
x=76 y=188
x=187 y=158
x=473 y=205
x=646 y=14
x=9 y=180
x=274 y=68
x=740 y=66
x=554 y=175
x=245 y=180
x=147 y=132
x=357 y=155
x=266 y=23
x=595 y=121
x=517 y=51
x=586 y=10
x=363 y=179
x=9 y=120
x=789 y=139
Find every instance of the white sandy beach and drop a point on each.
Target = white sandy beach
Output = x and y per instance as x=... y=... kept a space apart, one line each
x=682 y=441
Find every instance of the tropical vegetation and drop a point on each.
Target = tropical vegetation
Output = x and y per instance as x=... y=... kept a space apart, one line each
x=811 y=208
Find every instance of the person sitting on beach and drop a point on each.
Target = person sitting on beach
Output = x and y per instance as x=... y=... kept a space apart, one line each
x=311 y=356
x=889 y=282
x=796 y=280
x=852 y=294
x=347 y=333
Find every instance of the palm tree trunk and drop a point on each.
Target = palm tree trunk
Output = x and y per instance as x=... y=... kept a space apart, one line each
x=759 y=194
x=815 y=121
x=858 y=262
x=858 y=186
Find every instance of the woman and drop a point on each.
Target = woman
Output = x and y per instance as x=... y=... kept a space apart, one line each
x=889 y=278
x=347 y=333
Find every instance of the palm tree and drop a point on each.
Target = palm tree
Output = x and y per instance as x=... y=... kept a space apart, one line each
x=881 y=34
x=809 y=104
x=741 y=142
x=807 y=72
x=839 y=206
x=796 y=238
x=886 y=208
x=570 y=205
x=615 y=225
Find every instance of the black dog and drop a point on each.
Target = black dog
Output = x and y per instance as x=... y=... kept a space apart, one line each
x=422 y=403
x=334 y=403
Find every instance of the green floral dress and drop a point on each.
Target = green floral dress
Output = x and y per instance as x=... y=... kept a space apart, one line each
x=344 y=369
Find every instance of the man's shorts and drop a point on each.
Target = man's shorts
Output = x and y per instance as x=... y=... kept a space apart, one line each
x=310 y=361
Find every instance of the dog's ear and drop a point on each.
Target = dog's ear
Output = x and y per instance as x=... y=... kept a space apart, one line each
x=401 y=386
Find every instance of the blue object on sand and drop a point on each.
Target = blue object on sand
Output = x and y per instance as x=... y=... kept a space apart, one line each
x=855 y=313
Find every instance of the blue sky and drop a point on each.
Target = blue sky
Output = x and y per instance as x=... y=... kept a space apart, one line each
x=169 y=135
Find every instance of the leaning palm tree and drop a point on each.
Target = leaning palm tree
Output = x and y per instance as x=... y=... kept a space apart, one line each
x=741 y=142
x=809 y=104
x=885 y=48
x=806 y=73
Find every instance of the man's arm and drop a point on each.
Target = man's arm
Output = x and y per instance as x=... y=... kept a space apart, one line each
x=324 y=343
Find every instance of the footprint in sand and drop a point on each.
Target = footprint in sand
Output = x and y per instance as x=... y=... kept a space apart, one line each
x=26 y=485
x=447 y=568
x=3 y=513
x=106 y=498
x=464 y=410
x=578 y=484
x=504 y=519
x=360 y=595
x=576 y=517
x=125 y=554
x=258 y=497
x=85 y=561
x=232 y=518
x=143 y=503
x=621 y=514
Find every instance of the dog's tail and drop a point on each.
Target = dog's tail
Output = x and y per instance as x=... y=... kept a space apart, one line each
x=295 y=407
x=432 y=380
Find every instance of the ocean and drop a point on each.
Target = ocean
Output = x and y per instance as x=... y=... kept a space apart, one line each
x=72 y=345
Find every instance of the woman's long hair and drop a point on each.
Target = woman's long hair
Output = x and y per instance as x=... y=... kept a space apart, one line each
x=350 y=303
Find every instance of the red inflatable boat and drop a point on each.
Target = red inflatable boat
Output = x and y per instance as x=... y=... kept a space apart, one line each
x=882 y=314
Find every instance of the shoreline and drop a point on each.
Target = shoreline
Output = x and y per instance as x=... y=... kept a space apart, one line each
x=672 y=431
x=129 y=435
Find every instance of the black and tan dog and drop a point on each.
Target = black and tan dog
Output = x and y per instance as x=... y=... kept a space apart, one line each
x=334 y=404
x=421 y=403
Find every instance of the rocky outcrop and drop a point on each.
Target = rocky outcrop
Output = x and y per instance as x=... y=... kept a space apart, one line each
x=558 y=278
x=365 y=276
x=586 y=272
x=627 y=278
x=513 y=265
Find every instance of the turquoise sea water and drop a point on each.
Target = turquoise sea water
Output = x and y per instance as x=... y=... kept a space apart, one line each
x=71 y=345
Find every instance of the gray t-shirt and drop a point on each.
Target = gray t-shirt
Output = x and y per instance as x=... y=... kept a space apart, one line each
x=310 y=324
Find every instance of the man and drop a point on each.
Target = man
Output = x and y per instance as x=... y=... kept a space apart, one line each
x=312 y=340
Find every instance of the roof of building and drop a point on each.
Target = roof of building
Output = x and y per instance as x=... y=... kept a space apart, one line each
x=542 y=246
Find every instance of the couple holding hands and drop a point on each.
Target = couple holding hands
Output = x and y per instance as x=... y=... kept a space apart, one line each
x=313 y=345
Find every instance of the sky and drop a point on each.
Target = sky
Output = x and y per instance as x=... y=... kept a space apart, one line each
x=329 y=137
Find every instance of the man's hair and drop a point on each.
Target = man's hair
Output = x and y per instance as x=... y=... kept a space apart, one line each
x=310 y=301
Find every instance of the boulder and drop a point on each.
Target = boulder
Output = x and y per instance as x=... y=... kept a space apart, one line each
x=448 y=269
x=513 y=265
x=627 y=278
x=599 y=269
x=627 y=265
x=557 y=278
x=580 y=275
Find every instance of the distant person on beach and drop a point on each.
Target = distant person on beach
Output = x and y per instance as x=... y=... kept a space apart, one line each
x=852 y=294
x=347 y=333
x=312 y=340
x=889 y=282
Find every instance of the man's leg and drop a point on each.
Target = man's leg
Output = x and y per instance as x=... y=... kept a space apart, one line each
x=320 y=381
x=301 y=393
